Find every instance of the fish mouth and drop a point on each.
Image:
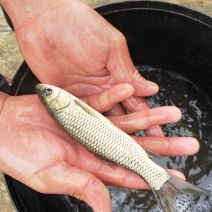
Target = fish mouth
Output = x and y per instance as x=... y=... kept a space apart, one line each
x=43 y=90
x=39 y=88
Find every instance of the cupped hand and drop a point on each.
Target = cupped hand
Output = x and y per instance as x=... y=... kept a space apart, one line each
x=37 y=152
x=67 y=44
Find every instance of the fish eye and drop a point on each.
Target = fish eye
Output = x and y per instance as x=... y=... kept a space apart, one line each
x=47 y=91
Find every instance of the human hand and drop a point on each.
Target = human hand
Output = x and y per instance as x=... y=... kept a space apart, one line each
x=67 y=44
x=37 y=152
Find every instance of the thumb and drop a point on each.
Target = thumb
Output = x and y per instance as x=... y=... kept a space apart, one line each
x=121 y=67
x=64 y=179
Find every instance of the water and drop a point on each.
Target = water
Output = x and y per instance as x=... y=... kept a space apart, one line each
x=196 y=122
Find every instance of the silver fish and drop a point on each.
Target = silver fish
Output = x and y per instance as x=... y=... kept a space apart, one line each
x=95 y=132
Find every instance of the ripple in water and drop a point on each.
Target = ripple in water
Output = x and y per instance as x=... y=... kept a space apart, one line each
x=196 y=121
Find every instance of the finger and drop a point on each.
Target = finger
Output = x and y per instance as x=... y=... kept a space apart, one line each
x=117 y=110
x=108 y=99
x=169 y=146
x=121 y=67
x=134 y=104
x=113 y=174
x=64 y=179
x=110 y=174
x=177 y=173
x=122 y=177
x=133 y=122
x=154 y=131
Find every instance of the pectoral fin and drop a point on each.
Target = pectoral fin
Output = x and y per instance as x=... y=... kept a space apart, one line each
x=151 y=154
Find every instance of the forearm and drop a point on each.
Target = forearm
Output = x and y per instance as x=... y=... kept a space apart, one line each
x=23 y=11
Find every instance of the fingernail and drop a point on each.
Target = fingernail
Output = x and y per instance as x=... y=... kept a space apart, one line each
x=152 y=83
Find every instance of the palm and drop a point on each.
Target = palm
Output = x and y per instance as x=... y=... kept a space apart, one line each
x=38 y=138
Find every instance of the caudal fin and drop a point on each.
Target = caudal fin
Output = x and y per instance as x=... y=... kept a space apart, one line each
x=174 y=187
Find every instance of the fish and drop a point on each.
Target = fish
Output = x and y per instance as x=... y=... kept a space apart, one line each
x=105 y=140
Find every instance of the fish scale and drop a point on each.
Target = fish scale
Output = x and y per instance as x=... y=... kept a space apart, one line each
x=102 y=138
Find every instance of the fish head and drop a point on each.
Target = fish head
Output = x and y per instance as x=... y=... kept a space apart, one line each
x=53 y=98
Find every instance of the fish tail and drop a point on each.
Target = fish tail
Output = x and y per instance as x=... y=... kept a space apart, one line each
x=174 y=187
